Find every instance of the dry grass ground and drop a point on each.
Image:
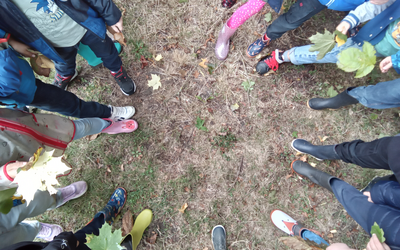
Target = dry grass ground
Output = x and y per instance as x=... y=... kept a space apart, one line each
x=169 y=161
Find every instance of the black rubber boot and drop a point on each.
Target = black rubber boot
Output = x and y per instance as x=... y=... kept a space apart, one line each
x=318 y=152
x=368 y=188
x=342 y=99
x=218 y=238
x=317 y=176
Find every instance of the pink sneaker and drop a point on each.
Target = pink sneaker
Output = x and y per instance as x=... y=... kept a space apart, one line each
x=125 y=126
x=48 y=231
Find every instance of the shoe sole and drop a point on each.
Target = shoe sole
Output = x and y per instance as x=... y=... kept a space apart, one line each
x=291 y=144
x=74 y=197
x=212 y=232
x=72 y=78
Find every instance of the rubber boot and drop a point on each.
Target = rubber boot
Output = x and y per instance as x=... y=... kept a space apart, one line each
x=342 y=99
x=91 y=57
x=317 y=176
x=320 y=153
x=132 y=240
x=222 y=45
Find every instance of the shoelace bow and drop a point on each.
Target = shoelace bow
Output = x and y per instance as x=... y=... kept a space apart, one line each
x=271 y=62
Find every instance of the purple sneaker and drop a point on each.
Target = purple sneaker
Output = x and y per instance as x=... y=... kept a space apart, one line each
x=48 y=231
x=73 y=191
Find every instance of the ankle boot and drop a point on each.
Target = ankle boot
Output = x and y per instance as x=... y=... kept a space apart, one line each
x=222 y=45
x=317 y=176
x=342 y=99
x=318 y=152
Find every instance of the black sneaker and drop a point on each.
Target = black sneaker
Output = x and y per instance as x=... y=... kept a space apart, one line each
x=269 y=62
x=62 y=82
x=218 y=238
x=126 y=84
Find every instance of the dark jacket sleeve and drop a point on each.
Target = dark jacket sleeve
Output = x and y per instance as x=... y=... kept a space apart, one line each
x=64 y=241
x=386 y=193
x=106 y=9
x=10 y=77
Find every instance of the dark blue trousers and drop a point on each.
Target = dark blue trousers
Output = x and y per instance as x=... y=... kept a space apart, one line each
x=51 y=98
x=91 y=228
x=104 y=49
x=366 y=213
x=299 y=12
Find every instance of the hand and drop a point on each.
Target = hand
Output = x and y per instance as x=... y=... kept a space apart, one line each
x=21 y=48
x=339 y=246
x=375 y=244
x=12 y=168
x=368 y=194
x=386 y=64
x=343 y=27
x=118 y=26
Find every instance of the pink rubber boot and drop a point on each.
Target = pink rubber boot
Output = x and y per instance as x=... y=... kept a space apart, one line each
x=222 y=45
x=125 y=126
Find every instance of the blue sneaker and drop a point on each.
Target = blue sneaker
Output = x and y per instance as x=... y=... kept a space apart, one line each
x=255 y=48
x=114 y=205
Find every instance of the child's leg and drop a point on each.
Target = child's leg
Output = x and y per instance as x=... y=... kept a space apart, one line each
x=89 y=126
x=54 y=99
x=300 y=12
x=68 y=54
x=91 y=228
x=245 y=12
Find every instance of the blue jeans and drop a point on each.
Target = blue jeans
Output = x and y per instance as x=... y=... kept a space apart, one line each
x=89 y=126
x=51 y=98
x=105 y=49
x=302 y=55
x=383 y=95
x=366 y=213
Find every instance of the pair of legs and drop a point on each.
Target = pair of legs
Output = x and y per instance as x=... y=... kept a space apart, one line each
x=299 y=12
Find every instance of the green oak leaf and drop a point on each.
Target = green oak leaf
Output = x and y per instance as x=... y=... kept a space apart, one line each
x=106 y=240
x=375 y=229
x=6 y=202
x=323 y=43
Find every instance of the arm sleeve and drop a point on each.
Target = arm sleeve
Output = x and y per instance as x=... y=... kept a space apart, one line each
x=106 y=9
x=386 y=193
x=365 y=12
x=396 y=62
x=64 y=241
x=10 y=77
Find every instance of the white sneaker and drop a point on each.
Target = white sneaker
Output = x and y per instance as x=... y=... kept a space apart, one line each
x=48 y=231
x=121 y=113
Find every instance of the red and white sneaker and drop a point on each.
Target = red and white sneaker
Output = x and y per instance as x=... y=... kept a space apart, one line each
x=269 y=62
x=125 y=126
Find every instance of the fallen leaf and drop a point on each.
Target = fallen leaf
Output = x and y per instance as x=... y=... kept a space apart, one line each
x=108 y=169
x=313 y=164
x=210 y=110
x=158 y=57
x=322 y=139
x=183 y=208
x=303 y=158
x=143 y=61
x=183 y=73
x=119 y=37
x=39 y=70
x=127 y=223
x=152 y=239
x=196 y=74
x=123 y=11
x=187 y=190
x=122 y=167
x=44 y=62
x=154 y=82
x=235 y=107
x=203 y=63
x=92 y=137
x=333 y=231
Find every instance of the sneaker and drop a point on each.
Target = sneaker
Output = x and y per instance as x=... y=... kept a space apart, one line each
x=48 y=231
x=62 y=82
x=121 y=113
x=114 y=205
x=73 y=191
x=228 y=3
x=126 y=84
x=125 y=126
x=218 y=238
x=269 y=62
x=255 y=48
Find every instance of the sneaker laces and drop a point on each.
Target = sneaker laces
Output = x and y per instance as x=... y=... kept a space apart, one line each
x=67 y=192
x=119 y=74
x=272 y=62
x=45 y=231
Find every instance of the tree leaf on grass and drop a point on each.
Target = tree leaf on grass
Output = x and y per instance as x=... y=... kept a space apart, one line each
x=127 y=223
x=200 y=124
x=323 y=43
x=268 y=17
x=106 y=240
x=331 y=92
x=375 y=229
x=6 y=202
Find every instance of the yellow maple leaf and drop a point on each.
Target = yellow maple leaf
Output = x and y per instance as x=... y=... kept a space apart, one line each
x=154 y=82
x=203 y=63
x=183 y=208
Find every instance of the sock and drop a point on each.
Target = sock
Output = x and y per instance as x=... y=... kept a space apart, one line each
x=285 y=56
x=245 y=12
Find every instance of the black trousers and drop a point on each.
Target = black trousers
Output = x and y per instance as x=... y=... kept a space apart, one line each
x=382 y=153
x=300 y=12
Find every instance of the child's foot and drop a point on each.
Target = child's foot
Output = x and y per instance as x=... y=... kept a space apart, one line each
x=114 y=205
x=255 y=48
x=48 y=231
x=228 y=3
x=270 y=62
x=126 y=84
x=73 y=191
x=121 y=113
x=218 y=238
x=63 y=81
x=125 y=126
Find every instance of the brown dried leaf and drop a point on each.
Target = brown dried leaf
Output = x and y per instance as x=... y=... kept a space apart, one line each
x=152 y=239
x=127 y=223
x=203 y=63
x=108 y=169
x=196 y=74
x=92 y=137
x=44 y=62
x=183 y=73
x=183 y=208
x=187 y=189
x=322 y=139
x=303 y=158
x=39 y=70
x=210 y=110
x=143 y=61
x=119 y=37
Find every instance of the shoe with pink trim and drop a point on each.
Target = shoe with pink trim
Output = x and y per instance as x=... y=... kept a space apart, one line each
x=125 y=126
